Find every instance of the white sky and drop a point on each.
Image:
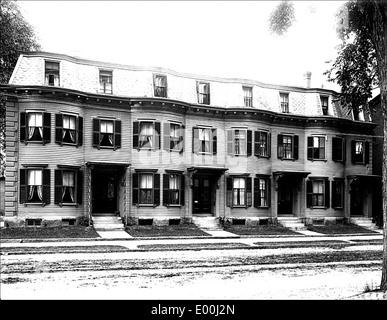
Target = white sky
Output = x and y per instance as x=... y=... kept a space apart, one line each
x=216 y=38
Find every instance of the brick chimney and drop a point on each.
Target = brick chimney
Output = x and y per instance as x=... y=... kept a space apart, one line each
x=308 y=78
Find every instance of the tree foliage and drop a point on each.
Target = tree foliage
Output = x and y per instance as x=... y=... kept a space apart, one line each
x=282 y=18
x=16 y=35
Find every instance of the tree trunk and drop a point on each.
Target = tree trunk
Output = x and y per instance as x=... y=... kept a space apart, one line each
x=383 y=284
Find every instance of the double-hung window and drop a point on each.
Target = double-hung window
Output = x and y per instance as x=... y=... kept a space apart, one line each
x=317 y=190
x=284 y=101
x=106 y=133
x=68 y=129
x=35 y=126
x=338 y=149
x=203 y=92
x=173 y=136
x=204 y=140
x=146 y=188
x=35 y=185
x=262 y=144
x=106 y=81
x=360 y=151
x=324 y=105
x=68 y=185
x=262 y=191
x=160 y=85
x=248 y=96
x=173 y=189
x=316 y=148
x=239 y=142
x=287 y=146
x=146 y=135
x=52 y=73
x=239 y=191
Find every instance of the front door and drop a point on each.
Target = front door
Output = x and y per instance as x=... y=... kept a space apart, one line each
x=104 y=192
x=285 y=197
x=202 y=195
x=356 y=199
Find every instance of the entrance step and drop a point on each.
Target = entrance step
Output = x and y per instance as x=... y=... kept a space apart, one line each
x=106 y=222
x=207 y=223
x=364 y=222
x=293 y=223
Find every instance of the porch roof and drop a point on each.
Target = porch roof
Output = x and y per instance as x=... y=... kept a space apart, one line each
x=283 y=173
x=110 y=164
x=364 y=176
x=207 y=169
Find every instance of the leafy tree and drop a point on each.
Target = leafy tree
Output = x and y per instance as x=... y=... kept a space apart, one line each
x=360 y=66
x=16 y=35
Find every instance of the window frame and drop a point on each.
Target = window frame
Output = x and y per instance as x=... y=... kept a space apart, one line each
x=365 y=154
x=167 y=191
x=310 y=194
x=284 y=103
x=294 y=146
x=336 y=150
x=230 y=191
x=203 y=97
x=156 y=135
x=247 y=99
x=58 y=185
x=312 y=150
x=46 y=127
x=232 y=142
x=96 y=133
x=197 y=147
x=179 y=146
x=258 y=144
x=136 y=190
x=45 y=185
x=160 y=91
x=324 y=108
x=59 y=128
x=51 y=72
x=105 y=74
x=338 y=182
x=258 y=191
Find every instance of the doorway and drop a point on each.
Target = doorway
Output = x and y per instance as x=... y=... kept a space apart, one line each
x=357 y=195
x=104 y=191
x=202 y=195
x=285 y=197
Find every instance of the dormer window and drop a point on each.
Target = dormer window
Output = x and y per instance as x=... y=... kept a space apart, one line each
x=106 y=81
x=324 y=105
x=203 y=91
x=284 y=100
x=160 y=85
x=52 y=73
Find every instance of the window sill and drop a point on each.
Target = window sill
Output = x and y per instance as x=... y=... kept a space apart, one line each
x=239 y=207
x=143 y=205
x=68 y=204
x=34 y=204
x=68 y=144
x=259 y=156
x=318 y=207
x=318 y=160
x=287 y=159
x=173 y=206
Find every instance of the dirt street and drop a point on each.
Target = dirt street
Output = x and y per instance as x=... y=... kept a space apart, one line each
x=286 y=273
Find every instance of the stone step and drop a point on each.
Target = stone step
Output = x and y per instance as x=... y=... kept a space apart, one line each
x=293 y=223
x=208 y=223
x=364 y=222
x=107 y=223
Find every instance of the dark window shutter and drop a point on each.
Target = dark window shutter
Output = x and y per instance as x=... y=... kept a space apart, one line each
x=327 y=194
x=309 y=193
x=23 y=186
x=257 y=143
x=156 y=189
x=96 y=132
x=23 y=125
x=344 y=149
x=257 y=194
x=157 y=135
x=334 y=194
x=181 y=138
x=230 y=142
x=79 y=187
x=322 y=148
x=336 y=146
x=214 y=141
x=155 y=93
x=80 y=131
x=197 y=91
x=353 y=151
x=268 y=188
x=46 y=186
x=167 y=144
x=117 y=134
x=46 y=127
x=135 y=179
x=166 y=190
x=195 y=140
x=182 y=189
x=229 y=191
x=135 y=134
x=248 y=192
x=295 y=147
x=58 y=186
x=367 y=153
x=310 y=148
x=280 y=146
x=59 y=128
x=249 y=143
x=269 y=145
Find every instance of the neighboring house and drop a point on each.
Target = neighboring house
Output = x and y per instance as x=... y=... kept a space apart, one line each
x=87 y=138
